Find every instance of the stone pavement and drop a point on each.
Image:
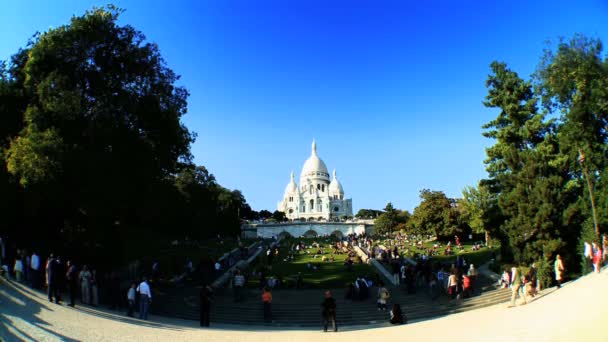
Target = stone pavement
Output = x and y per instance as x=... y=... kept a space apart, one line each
x=577 y=312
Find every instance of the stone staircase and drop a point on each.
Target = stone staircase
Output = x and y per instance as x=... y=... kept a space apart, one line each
x=302 y=308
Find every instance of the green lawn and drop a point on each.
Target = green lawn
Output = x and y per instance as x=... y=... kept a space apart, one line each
x=328 y=274
x=477 y=258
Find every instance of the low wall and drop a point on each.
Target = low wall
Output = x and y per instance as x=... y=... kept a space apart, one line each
x=299 y=229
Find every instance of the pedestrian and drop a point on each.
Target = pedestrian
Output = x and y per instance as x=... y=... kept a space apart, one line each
x=533 y=280
x=472 y=273
x=383 y=296
x=206 y=299
x=238 y=284
x=72 y=278
x=145 y=298
x=94 y=289
x=329 y=312
x=588 y=255
x=85 y=285
x=35 y=270
x=131 y=299
x=52 y=279
x=266 y=302
x=597 y=257
x=559 y=270
x=18 y=267
x=516 y=284
x=397 y=315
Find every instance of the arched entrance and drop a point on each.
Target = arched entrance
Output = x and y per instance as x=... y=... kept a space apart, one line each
x=337 y=234
x=310 y=234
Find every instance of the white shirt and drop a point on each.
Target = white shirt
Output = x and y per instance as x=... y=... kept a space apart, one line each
x=144 y=289
x=131 y=294
x=35 y=263
x=217 y=266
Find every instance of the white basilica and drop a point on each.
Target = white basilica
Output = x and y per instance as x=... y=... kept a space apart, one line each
x=316 y=197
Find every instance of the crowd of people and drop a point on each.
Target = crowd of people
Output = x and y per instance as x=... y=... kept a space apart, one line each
x=64 y=281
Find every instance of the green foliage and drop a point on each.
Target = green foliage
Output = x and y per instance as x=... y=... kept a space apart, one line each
x=391 y=220
x=436 y=215
x=368 y=213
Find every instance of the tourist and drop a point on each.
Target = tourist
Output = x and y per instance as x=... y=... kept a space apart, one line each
x=516 y=284
x=266 y=302
x=505 y=280
x=145 y=298
x=85 y=285
x=329 y=312
x=559 y=270
x=18 y=267
x=532 y=280
x=238 y=283
x=588 y=255
x=131 y=299
x=35 y=270
x=467 y=286
x=597 y=257
x=473 y=276
x=383 y=296
x=452 y=286
x=94 y=289
x=72 y=278
x=397 y=315
x=52 y=279
x=206 y=299
x=604 y=247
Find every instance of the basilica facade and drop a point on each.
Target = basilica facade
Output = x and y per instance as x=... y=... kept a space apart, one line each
x=316 y=197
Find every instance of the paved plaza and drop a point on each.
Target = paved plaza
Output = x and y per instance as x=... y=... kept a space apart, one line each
x=577 y=312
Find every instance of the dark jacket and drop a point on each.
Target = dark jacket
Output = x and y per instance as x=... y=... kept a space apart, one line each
x=329 y=307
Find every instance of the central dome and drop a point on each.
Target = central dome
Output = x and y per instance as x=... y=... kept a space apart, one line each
x=314 y=167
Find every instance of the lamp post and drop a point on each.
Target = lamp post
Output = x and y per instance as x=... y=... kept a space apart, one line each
x=581 y=159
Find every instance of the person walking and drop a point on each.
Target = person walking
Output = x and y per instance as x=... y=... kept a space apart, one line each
x=85 y=285
x=131 y=299
x=145 y=298
x=239 y=283
x=329 y=312
x=383 y=296
x=18 y=267
x=516 y=284
x=472 y=273
x=559 y=270
x=72 y=279
x=533 y=280
x=266 y=302
x=206 y=299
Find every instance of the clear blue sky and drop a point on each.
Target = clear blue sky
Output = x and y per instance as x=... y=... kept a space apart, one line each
x=391 y=90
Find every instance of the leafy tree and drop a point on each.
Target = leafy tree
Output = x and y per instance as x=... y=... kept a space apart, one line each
x=436 y=215
x=265 y=214
x=526 y=168
x=279 y=216
x=368 y=213
x=387 y=221
x=479 y=207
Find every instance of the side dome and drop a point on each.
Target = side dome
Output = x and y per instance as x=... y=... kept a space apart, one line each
x=291 y=187
x=335 y=188
x=314 y=167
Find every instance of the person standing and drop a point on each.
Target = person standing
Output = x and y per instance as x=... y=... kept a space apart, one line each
x=52 y=279
x=472 y=273
x=18 y=267
x=588 y=254
x=266 y=302
x=85 y=285
x=559 y=270
x=533 y=280
x=35 y=268
x=206 y=299
x=329 y=312
x=131 y=299
x=94 y=289
x=383 y=296
x=72 y=278
x=597 y=258
x=145 y=298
